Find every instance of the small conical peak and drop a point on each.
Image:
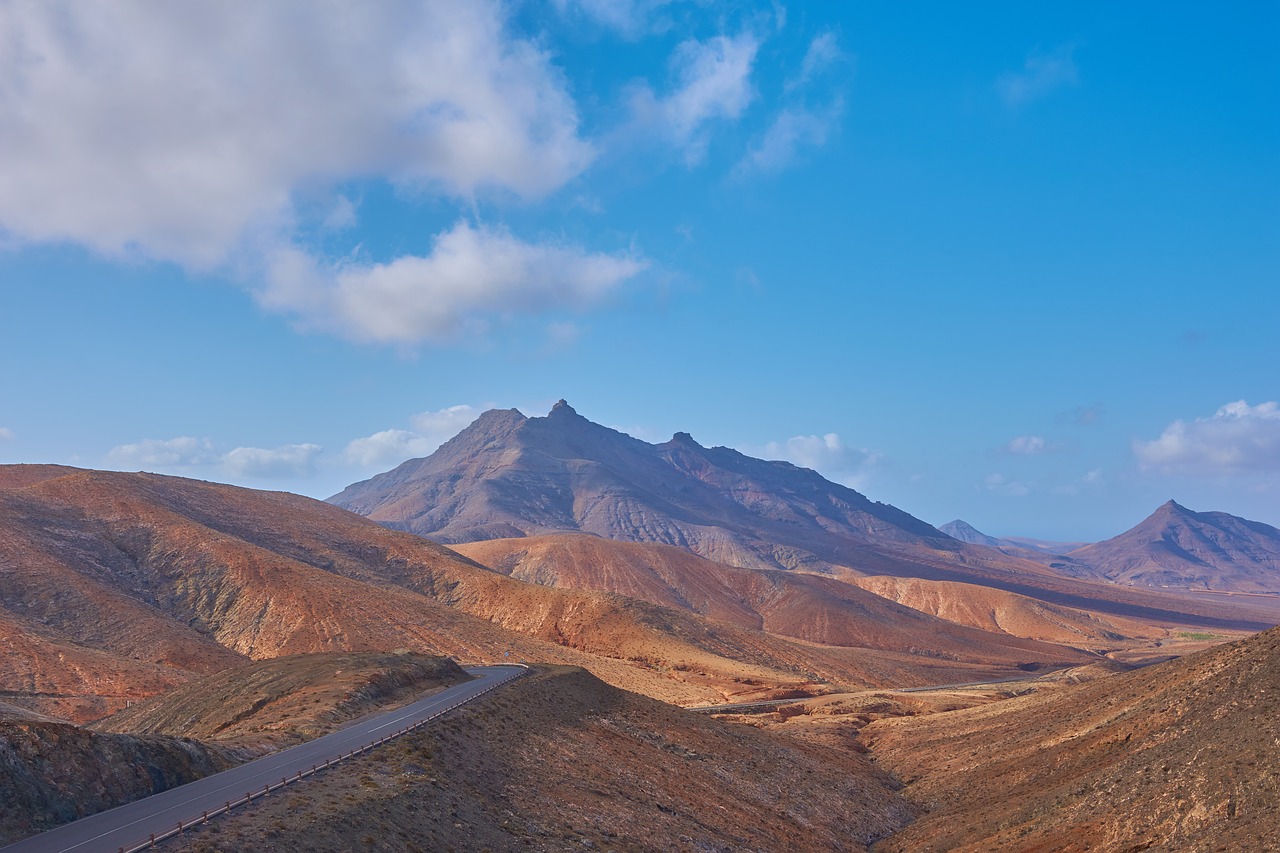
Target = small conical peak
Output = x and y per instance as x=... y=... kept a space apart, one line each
x=1171 y=506
x=684 y=438
x=561 y=409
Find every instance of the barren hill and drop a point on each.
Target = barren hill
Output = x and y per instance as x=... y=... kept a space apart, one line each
x=1179 y=756
x=507 y=476
x=1176 y=547
x=561 y=761
x=143 y=581
x=808 y=607
x=997 y=610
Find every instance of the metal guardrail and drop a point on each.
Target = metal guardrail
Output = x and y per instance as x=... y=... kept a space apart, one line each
x=250 y=796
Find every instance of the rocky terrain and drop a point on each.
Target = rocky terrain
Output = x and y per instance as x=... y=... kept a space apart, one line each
x=275 y=703
x=142 y=582
x=807 y=607
x=1182 y=756
x=54 y=772
x=507 y=476
x=1177 y=547
x=560 y=760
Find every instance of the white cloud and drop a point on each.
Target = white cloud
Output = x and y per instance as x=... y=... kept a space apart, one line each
x=1027 y=445
x=393 y=446
x=181 y=131
x=791 y=131
x=6 y=434
x=1238 y=438
x=184 y=453
x=1040 y=75
x=290 y=460
x=180 y=452
x=444 y=424
x=826 y=454
x=471 y=273
x=1003 y=485
x=389 y=447
x=712 y=82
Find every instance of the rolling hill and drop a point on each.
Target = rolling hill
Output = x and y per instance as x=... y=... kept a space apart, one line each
x=1176 y=756
x=142 y=582
x=508 y=476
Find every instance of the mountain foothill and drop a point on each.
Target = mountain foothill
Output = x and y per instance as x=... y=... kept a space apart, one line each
x=685 y=574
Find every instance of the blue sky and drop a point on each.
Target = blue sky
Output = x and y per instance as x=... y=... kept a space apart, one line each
x=1015 y=263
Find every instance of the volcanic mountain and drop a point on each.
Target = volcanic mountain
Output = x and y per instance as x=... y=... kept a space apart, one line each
x=963 y=531
x=1176 y=547
x=116 y=586
x=507 y=475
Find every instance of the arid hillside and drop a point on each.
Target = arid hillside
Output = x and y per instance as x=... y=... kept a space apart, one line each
x=144 y=581
x=791 y=604
x=284 y=700
x=559 y=760
x=1177 y=547
x=1181 y=756
x=1006 y=612
x=508 y=476
x=52 y=772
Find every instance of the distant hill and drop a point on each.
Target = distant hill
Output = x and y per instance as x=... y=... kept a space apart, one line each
x=963 y=531
x=119 y=586
x=1177 y=547
x=508 y=476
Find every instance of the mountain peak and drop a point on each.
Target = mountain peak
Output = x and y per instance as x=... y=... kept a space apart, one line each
x=684 y=438
x=561 y=409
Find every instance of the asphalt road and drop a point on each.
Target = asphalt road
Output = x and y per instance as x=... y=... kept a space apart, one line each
x=133 y=823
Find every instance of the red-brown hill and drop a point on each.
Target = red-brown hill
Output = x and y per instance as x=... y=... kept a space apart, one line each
x=148 y=580
x=507 y=476
x=1178 y=756
x=808 y=607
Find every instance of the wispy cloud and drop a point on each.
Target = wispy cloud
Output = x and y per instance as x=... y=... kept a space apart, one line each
x=1091 y=481
x=628 y=18
x=185 y=453
x=827 y=454
x=1041 y=74
x=712 y=81
x=278 y=463
x=1082 y=415
x=393 y=446
x=6 y=434
x=181 y=452
x=471 y=275
x=1001 y=484
x=791 y=131
x=1236 y=439
x=1027 y=445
